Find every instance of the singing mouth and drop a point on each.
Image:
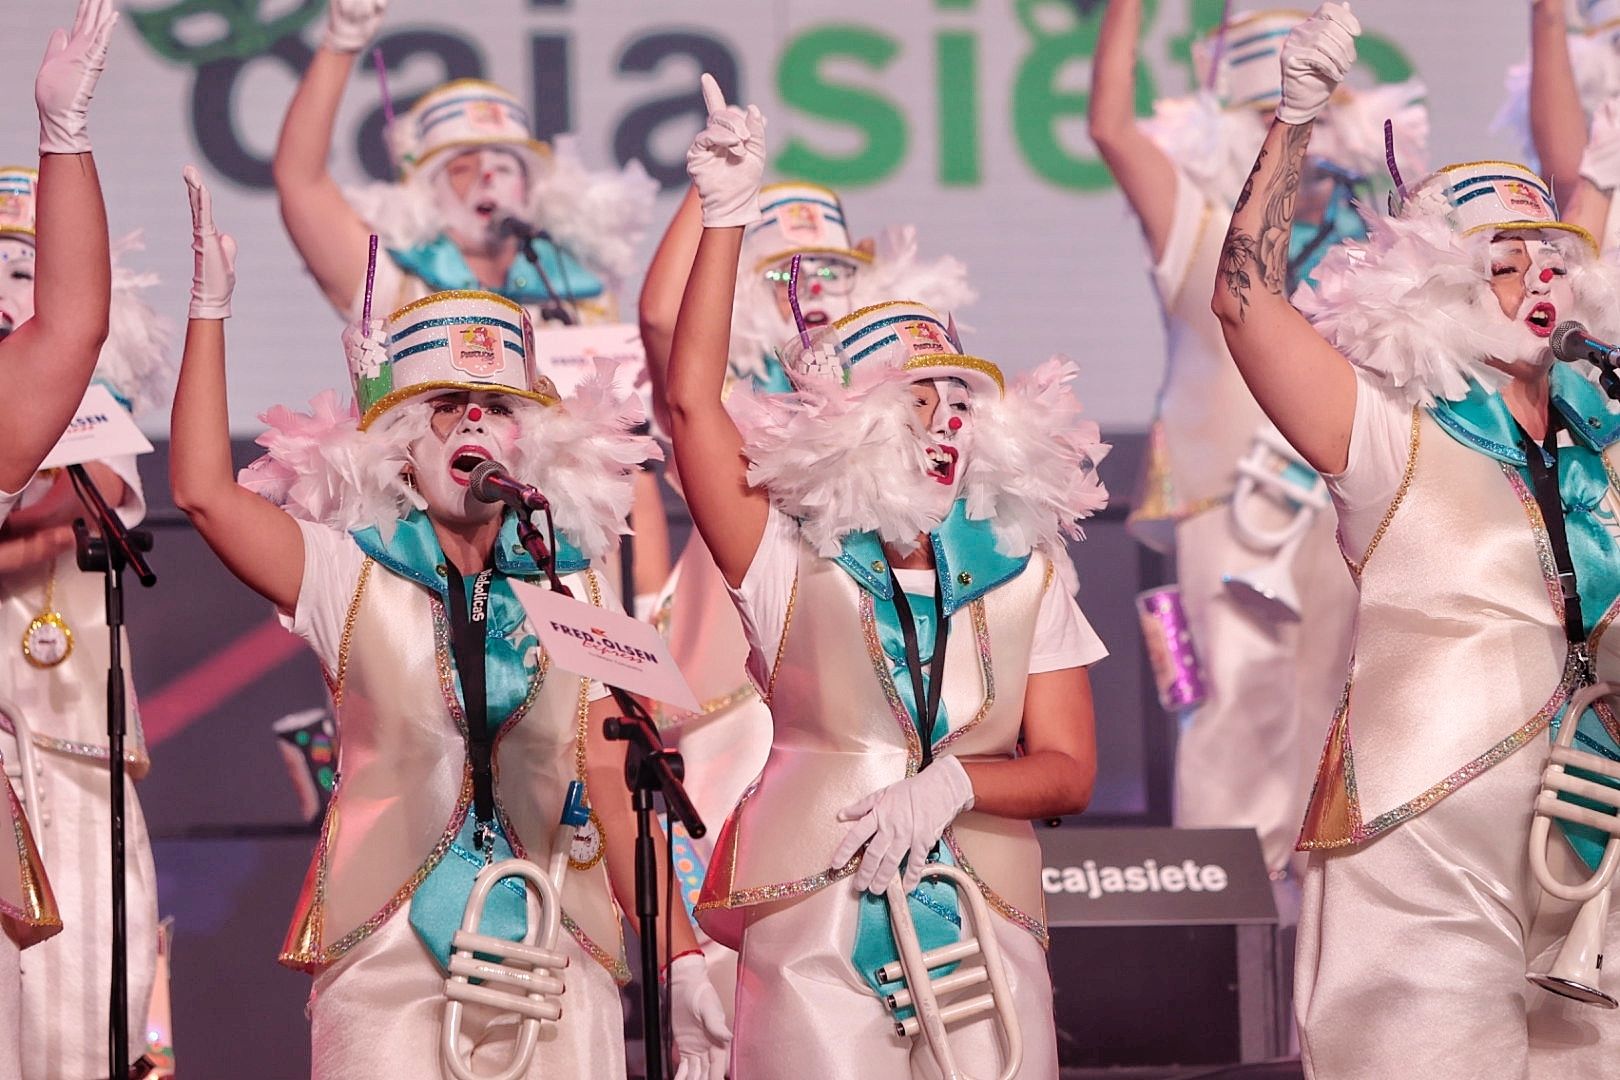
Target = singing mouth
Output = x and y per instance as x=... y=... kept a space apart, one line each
x=485 y=208
x=942 y=464
x=816 y=318
x=6 y=326
x=1541 y=319
x=464 y=461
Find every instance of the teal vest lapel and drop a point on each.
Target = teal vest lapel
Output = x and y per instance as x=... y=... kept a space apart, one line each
x=440 y=264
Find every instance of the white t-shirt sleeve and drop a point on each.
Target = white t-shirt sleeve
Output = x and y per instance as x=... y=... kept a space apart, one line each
x=762 y=598
x=1063 y=636
x=332 y=562
x=1380 y=442
x=1181 y=243
x=132 y=509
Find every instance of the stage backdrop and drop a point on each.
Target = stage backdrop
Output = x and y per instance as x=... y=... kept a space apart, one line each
x=965 y=117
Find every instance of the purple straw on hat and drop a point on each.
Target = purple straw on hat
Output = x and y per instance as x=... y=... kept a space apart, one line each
x=371 y=277
x=1389 y=159
x=793 y=302
x=1220 y=47
x=382 y=83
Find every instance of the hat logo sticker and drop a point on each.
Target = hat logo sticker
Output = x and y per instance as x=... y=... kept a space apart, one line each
x=1521 y=198
x=923 y=338
x=477 y=350
x=13 y=209
x=486 y=114
x=803 y=222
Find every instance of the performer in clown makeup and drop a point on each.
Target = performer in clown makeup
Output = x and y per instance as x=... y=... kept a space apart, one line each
x=54 y=675
x=1472 y=478
x=1271 y=669
x=725 y=743
x=900 y=577
x=368 y=541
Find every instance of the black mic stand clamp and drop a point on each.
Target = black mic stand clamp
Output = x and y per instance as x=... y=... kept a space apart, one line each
x=116 y=548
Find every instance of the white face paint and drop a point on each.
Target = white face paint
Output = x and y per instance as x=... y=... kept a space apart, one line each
x=944 y=423
x=16 y=283
x=476 y=189
x=467 y=429
x=1533 y=293
x=826 y=287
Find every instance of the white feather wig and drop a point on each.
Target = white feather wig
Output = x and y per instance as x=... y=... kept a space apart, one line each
x=600 y=217
x=1351 y=131
x=1597 y=78
x=1412 y=304
x=138 y=356
x=319 y=466
x=1213 y=147
x=847 y=461
x=896 y=269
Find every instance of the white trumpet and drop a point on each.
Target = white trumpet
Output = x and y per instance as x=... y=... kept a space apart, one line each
x=1580 y=961
x=1273 y=472
x=25 y=768
x=981 y=967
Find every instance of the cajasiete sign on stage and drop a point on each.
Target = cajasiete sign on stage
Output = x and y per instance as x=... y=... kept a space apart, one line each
x=965 y=118
x=1147 y=876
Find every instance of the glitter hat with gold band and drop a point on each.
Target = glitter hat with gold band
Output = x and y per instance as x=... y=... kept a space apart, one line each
x=18 y=185
x=1247 y=53
x=799 y=219
x=1501 y=196
x=1598 y=15
x=467 y=114
x=899 y=335
x=462 y=340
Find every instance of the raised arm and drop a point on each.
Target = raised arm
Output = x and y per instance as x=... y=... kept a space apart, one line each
x=54 y=353
x=661 y=294
x=1557 y=121
x=329 y=235
x=255 y=539
x=726 y=162
x=1143 y=171
x=1304 y=385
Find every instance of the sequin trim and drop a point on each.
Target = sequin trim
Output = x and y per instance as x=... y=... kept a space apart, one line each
x=669 y=718
x=617 y=966
x=1538 y=528
x=781 y=644
x=43 y=915
x=1356 y=568
x=764 y=894
x=987 y=674
x=1035 y=926
x=880 y=665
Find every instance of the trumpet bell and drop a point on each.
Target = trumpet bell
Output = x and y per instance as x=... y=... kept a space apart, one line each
x=1575 y=972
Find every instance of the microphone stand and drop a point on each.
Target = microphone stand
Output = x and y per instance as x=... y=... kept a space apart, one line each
x=116 y=548
x=526 y=237
x=649 y=767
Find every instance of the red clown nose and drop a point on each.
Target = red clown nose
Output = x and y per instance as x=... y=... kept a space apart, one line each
x=475 y=414
x=955 y=423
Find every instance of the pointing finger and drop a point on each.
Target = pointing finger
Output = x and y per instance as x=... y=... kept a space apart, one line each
x=713 y=99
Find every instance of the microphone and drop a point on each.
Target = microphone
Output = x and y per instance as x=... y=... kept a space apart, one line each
x=491 y=483
x=512 y=225
x=1570 y=343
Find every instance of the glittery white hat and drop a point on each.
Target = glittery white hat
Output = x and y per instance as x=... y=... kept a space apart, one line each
x=900 y=334
x=467 y=114
x=1247 y=53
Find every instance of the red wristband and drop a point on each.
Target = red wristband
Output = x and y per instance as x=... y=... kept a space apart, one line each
x=671 y=962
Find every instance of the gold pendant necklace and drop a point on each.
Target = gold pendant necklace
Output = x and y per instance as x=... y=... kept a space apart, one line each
x=48 y=639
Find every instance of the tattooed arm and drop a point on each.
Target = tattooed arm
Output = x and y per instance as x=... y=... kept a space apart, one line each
x=1304 y=385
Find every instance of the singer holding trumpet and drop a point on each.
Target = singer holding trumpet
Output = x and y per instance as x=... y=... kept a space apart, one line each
x=459 y=740
x=892 y=535
x=1473 y=481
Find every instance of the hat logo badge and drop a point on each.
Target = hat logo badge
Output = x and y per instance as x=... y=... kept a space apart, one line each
x=1521 y=197
x=486 y=114
x=802 y=222
x=476 y=350
x=924 y=338
x=12 y=208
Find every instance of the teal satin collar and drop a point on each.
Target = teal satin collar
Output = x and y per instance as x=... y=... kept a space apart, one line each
x=1342 y=222
x=1481 y=420
x=772 y=379
x=965 y=560
x=441 y=265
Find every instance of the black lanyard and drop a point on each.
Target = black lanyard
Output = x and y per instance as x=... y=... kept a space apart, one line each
x=927 y=714
x=468 y=633
x=1544 y=482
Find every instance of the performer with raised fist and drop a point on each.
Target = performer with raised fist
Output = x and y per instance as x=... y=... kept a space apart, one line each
x=1473 y=482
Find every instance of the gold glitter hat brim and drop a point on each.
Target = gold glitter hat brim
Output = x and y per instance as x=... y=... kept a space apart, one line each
x=980 y=375
x=405 y=393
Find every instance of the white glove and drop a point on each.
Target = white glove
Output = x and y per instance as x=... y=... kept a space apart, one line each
x=1600 y=163
x=702 y=1039
x=1316 y=57
x=727 y=160
x=351 y=24
x=365 y=348
x=907 y=816
x=213 y=267
x=67 y=78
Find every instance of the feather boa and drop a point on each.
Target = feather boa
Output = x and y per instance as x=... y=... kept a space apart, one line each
x=1215 y=148
x=600 y=217
x=138 y=356
x=1412 y=304
x=1597 y=78
x=846 y=461
x=319 y=466
x=758 y=328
